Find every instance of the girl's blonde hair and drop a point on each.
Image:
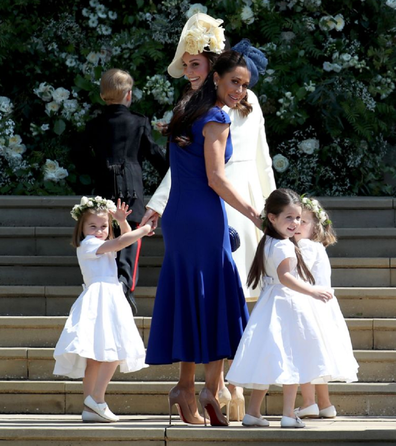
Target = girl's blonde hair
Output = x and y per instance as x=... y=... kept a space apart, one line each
x=323 y=231
x=78 y=235
x=114 y=84
x=275 y=204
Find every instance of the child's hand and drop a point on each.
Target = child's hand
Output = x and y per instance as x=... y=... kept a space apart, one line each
x=151 y=224
x=321 y=293
x=122 y=212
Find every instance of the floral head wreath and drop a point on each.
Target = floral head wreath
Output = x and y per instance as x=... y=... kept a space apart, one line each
x=264 y=218
x=97 y=204
x=313 y=206
x=201 y=33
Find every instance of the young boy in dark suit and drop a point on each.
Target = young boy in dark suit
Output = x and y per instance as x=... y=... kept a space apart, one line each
x=120 y=140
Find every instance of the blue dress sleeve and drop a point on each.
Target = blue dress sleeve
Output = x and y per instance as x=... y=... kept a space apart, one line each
x=216 y=114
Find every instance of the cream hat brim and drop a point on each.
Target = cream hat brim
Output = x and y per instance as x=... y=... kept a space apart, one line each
x=175 y=69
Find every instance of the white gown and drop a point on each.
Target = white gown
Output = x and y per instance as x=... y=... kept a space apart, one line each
x=100 y=325
x=283 y=342
x=250 y=172
x=330 y=317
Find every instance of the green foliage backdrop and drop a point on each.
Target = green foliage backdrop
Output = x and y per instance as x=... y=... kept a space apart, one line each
x=328 y=95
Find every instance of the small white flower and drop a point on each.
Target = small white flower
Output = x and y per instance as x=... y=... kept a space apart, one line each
x=308 y=146
x=90 y=203
x=391 y=3
x=93 y=22
x=5 y=105
x=14 y=140
x=137 y=93
x=44 y=91
x=44 y=127
x=247 y=15
x=60 y=94
x=53 y=172
x=93 y=3
x=93 y=58
x=345 y=57
x=280 y=163
x=327 y=66
x=340 y=22
x=71 y=61
x=327 y=23
x=51 y=107
x=84 y=201
x=112 y=15
x=195 y=8
x=85 y=12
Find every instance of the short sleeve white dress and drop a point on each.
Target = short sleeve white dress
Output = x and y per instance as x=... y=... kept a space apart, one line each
x=100 y=325
x=283 y=342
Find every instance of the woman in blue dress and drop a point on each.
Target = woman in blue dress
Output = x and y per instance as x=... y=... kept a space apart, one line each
x=200 y=311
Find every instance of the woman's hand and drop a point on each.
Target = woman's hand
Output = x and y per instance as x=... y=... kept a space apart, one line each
x=152 y=215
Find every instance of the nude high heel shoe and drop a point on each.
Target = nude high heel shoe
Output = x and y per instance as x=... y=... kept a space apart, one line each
x=211 y=406
x=224 y=398
x=237 y=405
x=178 y=397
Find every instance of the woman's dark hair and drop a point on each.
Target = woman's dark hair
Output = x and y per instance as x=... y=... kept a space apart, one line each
x=275 y=204
x=195 y=105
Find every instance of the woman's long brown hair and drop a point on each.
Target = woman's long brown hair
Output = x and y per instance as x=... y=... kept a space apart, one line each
x=275 y=203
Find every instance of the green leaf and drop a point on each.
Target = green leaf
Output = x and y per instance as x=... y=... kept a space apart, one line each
x=59 y=126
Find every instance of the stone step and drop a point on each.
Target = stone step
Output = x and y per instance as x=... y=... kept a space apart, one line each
x=361 y=212
x=57 y=301
x=151 y=430
x=24 y=300
x=364 y=242
x=130 y=398
x=42 y=331
x=60 y=270
x=37 y=364
x=56 y=241
x=346 y=212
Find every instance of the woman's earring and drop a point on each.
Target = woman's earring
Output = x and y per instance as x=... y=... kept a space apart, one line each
x=215 y=85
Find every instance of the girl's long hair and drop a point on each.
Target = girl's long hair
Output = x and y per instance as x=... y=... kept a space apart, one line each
x=196 y=104
x=275 y=204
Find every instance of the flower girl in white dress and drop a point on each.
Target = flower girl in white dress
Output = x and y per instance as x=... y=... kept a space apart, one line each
x=100 y=332
x=282 y=343
x=313 y=236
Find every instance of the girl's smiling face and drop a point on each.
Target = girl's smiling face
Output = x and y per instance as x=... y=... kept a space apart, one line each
x=288 y=221
x=196 y=68
x=97 y=225
x=306 y=226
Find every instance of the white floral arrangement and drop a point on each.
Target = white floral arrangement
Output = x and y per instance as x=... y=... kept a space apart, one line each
x=203 y=37
x=280 y=163
x=313 y=206
x=98 y=204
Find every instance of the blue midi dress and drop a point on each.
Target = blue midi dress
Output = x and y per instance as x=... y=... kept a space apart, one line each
x=200 y=310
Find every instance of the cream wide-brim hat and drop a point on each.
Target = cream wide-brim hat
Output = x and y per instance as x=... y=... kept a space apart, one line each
x=175 y=69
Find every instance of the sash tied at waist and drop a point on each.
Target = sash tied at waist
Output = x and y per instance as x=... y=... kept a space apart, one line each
x=107 y=279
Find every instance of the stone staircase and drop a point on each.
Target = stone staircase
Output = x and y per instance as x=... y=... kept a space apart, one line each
x=40 y=279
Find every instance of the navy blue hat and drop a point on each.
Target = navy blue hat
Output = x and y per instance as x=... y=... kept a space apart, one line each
x=255 y=59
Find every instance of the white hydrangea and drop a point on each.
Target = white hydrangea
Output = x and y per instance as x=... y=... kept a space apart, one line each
x=391 y=3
